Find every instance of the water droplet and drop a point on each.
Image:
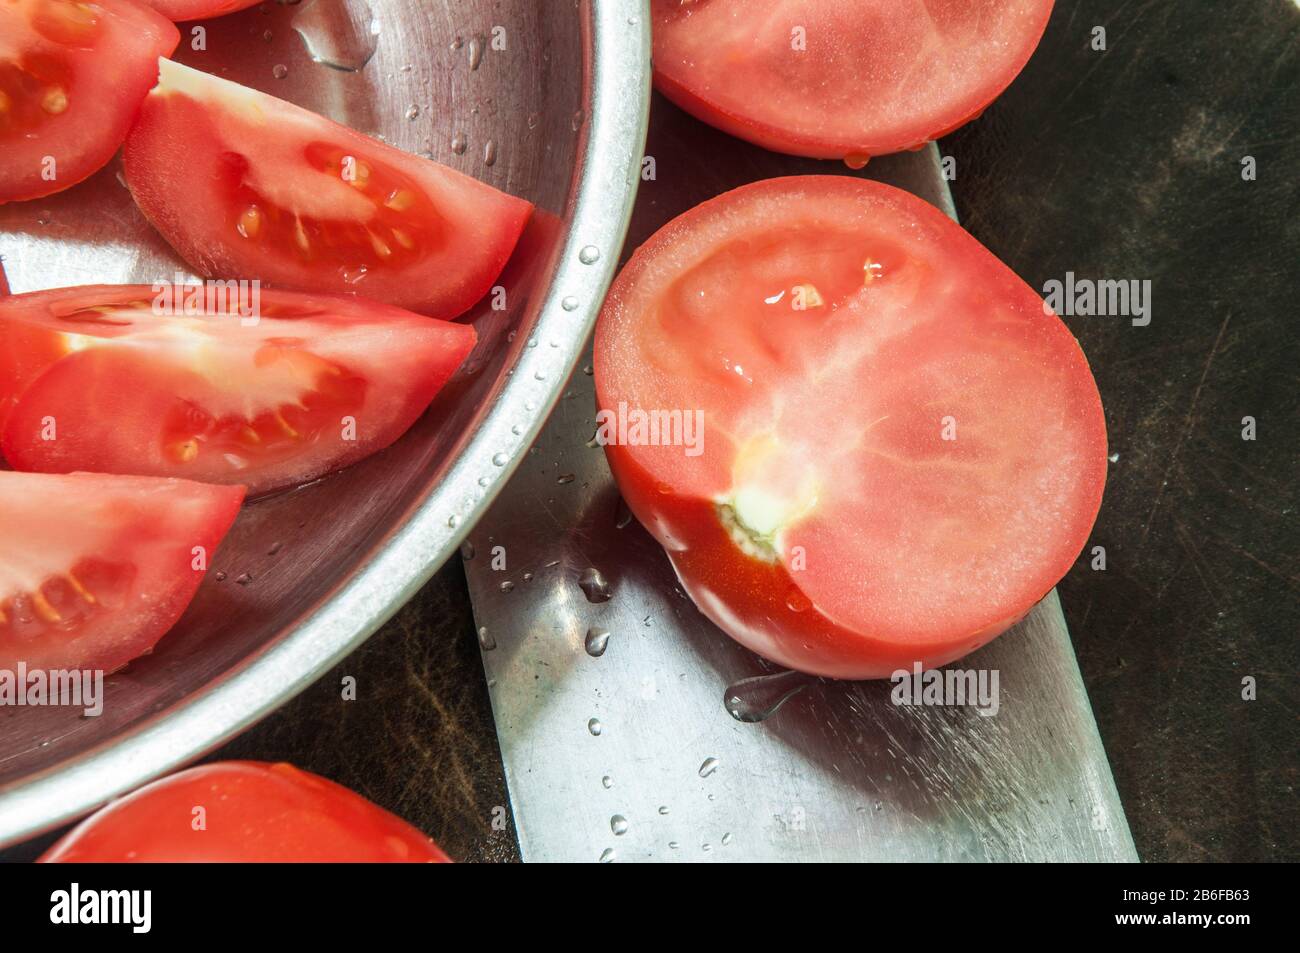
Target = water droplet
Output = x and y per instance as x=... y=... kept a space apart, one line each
x=796 y=601
x=587 y=369
x=607 y=782
x=564 y=479
x=663 y=808
x=594 y=586
x=589 y=254
x=618 y=824
x=708 y=767
x=340 y=34
x=467 y=550
x=596 y=642
x=672 y=845
x=533 y=120
x=475 y=52
x=569 y=303
x=486 y=640
x=353 y=276
x=623 y=516
x=608 y=856
x=500 y=458
x=221 y=577
x=279 y=71
x=412 y=111
x=756 y=699
x=856 y=160
x=490 y=152
x=594 y=726
x=243 y=579
x=459 y=143
x=507 y=586
x=456 y=44
x=1113 y=458
x=706 y=847
x=726 y=839
x=576 y=121
x=275 y=548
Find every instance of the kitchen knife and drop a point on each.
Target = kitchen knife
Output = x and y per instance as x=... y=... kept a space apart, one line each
x=633 y=729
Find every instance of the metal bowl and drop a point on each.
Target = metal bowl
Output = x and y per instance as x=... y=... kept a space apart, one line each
x=546 y=101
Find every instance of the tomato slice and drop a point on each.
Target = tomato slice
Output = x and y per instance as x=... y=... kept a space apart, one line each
x=317 y=383
x=181 y=10
x=94 y=569
x=245 y=185
x=253 y=812
x=902 y=449
x=72 y=76
x=841 y=78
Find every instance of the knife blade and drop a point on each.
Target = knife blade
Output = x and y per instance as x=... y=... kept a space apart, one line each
x=633 y=729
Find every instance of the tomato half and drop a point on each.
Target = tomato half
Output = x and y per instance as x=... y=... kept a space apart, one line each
x=72 y=76
x=841 y=78
x=245 y=185
x=94 y=569
x=180 y=10
x=139 y=386
x=902 y=450
x=252 y=812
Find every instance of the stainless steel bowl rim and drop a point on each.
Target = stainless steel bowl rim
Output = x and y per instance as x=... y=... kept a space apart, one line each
x=618 y=96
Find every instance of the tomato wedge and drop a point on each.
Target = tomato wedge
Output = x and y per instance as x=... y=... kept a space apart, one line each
x=245 y=185
x=94 y=569
x=841 y=79
x=252 y=812
x=72 y=76
x=902 y=450
x=180 y=10
x=113 y=379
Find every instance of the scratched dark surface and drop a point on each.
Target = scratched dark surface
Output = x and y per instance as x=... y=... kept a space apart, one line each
x=1123 y=164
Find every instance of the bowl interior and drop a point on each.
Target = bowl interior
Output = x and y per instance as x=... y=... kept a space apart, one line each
x=494 y=88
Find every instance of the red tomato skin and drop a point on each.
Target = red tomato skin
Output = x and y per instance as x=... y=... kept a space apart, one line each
x=254 y=812
x=182 y=10
x=674 y=80
x=750 y=599
x=85 y=137
x=164 y=519
x=176 y=143
x=40 y=378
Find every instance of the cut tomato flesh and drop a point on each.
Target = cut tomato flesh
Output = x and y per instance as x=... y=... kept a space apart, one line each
x=902 y=451
x=94 y=569
x=841 y=78
x=108 y=380
x=57 y=59
x=268 y=190
x=181 y=10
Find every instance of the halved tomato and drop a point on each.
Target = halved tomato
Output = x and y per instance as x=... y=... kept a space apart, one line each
x=251 y=812
x=142 y=383
x=72 y=76
x=841 y=78
x=94 y=569
x=901 y=451
x=245 y=185
x=180 y=10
